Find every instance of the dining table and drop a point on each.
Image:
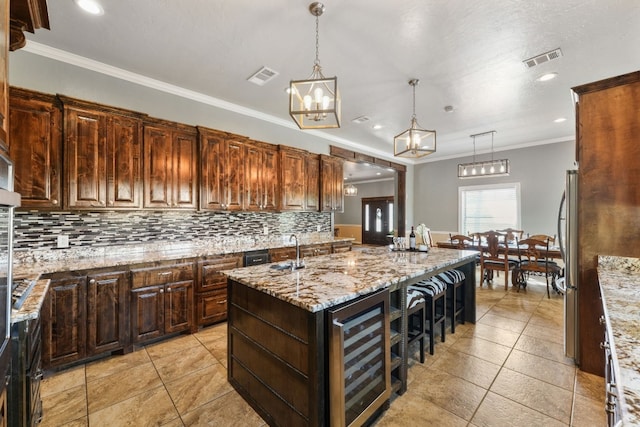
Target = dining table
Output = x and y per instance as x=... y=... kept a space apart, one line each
x=554 y=251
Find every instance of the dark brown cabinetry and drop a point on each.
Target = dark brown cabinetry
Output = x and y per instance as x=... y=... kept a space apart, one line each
x=292 y=179
x=83 y=316
x=337 y=247
x=312 y=182
x=282 y=254
x=331 y=184
x=607 y=123
x=211 y=289
x=161 y=301
x=261 y=177
x=170 y=166
x=64 y=321
x=102 y=156
x=315 y=250
x=222 y=165
x=35 y=139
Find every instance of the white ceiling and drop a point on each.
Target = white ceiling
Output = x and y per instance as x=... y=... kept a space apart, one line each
x=466 y=54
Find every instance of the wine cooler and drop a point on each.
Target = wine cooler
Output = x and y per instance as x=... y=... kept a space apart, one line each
x=359 y=359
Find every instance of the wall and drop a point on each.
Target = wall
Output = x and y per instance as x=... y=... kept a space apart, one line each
x=353 y=205
x=540 y=171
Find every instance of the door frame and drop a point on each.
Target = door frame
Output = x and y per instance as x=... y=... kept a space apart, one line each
x=366 y=200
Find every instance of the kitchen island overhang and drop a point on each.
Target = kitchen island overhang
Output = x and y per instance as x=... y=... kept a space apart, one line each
x=278 y=328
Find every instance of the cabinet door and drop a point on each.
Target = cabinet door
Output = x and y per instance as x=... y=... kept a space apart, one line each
x=147 y=313
x=64 y=322
x=213 y=157
x=254 y=178
x=210 y=277
x=158 y=154
x=332 y=183
x=312 y=184
x=292 y=179
x=107 y=311
x=178 y=307
x=183 y=171
x=124 y=156
x=35 y=147
x=270 y=179
x=234 y=174
x=86 y=154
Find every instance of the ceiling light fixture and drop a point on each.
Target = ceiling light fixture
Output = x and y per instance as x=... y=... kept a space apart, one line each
x=486 y=168
x=90 y=6
x=414 y=142
x=350 y=189
x=314 y=103
x=560 y=120
x=547 y=77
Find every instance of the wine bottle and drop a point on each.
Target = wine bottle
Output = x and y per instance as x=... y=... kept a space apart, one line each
x=412 y=240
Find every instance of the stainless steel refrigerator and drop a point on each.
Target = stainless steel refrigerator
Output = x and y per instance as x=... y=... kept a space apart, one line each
x=568 y=239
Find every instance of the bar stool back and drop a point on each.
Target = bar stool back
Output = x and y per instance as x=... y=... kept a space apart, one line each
x=416 y=310
x=434 y=291
x=455 y=295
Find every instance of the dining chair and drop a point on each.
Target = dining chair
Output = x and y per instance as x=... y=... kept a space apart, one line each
x=494 y=256
x=533 y=259
x=511 y=234
x=461 y=241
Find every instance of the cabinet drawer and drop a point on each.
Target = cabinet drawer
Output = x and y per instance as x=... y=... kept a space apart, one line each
x=210 y=276
x=154 y=276
x=282 y=254
x=212 y=307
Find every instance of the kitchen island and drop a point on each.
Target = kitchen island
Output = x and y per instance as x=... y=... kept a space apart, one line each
x=282 y=335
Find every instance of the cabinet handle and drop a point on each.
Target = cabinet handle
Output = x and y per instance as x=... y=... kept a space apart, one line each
x=222 y=302
x=92 y=281
x=164 y=273
x=161 y=291
x=604 y=345
x=168 y=290
x=54 y=202
x=602 y=320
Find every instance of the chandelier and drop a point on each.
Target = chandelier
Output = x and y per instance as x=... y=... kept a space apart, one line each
x=350 y=190
x=484 y=168
x=314 y=103
x=414 y=142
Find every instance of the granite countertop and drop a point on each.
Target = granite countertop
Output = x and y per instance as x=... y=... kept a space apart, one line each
x=328 y=280
x=36 y=263
x=31 y=307
x=619 y=279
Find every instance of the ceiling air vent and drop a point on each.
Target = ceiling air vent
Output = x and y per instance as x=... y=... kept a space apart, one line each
x=263 y=76
x=541 y=59
x=360 y=119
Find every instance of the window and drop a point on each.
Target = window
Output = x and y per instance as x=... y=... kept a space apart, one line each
x=489 y=207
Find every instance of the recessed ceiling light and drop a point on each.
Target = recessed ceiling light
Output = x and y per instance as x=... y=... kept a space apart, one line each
x=377 y=126
x=448 y=109
x=560 y=120
x=378 y=173
x=547 y=77
x=90 y=6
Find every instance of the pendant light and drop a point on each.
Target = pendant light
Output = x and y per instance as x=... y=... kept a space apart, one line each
x=314 y=103
x=414 y=142
x=485 y=168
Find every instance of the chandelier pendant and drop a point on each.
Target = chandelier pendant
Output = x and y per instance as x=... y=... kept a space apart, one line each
x=485 y=168
x=314 y=103
x=415 y=141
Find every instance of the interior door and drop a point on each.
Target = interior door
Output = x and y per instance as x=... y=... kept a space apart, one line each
x=377 y=220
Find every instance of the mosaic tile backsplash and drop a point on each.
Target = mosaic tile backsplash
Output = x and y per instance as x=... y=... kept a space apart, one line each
x=36 y=230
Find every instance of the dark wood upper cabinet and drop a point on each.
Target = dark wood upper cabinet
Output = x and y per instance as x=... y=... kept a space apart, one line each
x=26 y=15
x=292 y=178
x=35 y=145
x=312 y=182
x=332 y=184
x=170 y=166
x=102 y=156
x=261 y=176
x=222 y=168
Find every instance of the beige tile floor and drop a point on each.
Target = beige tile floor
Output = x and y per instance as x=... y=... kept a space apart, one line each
x=506 y=370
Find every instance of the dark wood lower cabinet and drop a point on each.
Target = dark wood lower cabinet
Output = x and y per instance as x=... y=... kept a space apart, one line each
x=84 y=316
x=166 y=306
x=211 y=288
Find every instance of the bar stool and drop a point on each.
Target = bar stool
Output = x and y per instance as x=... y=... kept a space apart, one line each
x=434 y=291
x=455 y=295
x=416 y=310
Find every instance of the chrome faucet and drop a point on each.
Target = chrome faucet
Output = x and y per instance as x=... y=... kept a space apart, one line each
x=297 y=264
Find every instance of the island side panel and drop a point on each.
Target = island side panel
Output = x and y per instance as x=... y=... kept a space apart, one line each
x=276 y=357
x=469 y=270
